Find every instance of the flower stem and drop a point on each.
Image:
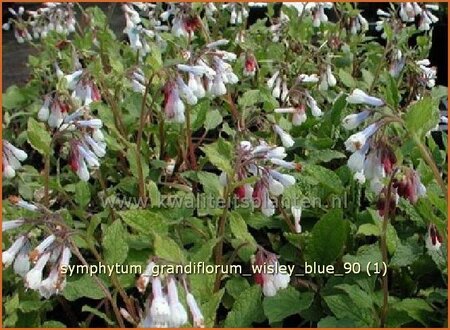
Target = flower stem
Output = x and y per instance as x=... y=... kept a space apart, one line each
x=384 y=251
x=220 y=233
x=102 y=286
x=431 y=163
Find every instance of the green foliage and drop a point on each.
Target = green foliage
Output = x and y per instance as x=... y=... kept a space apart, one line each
x=171 y=192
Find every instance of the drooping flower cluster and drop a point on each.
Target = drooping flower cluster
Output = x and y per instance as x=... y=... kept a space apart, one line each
x=397 y=63
x=262 y=161
x=53 y=16
x=207 y=75
x=21 y=28
x=365 y=164
x=410 y=10
x=87 y=144
x=164 y=309
x=315 y=9
x=49 y=257
x=358 y=24
x=428 y=74
x=433 y=239
x=11 y=159
x=299 y=96
x=238 y=12
x=270 y=280
x=136 y=31
x=408 y=13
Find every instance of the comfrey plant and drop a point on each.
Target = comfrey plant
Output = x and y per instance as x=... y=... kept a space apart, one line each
x=273 y=146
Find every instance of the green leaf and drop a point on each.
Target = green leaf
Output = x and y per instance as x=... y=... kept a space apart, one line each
x=324 y=156
x=116 y=248
x=417 y=309
x=13 y=98
x=133 y=161
x=53 y=324
x=38 y=137
x=343 y=307
x=392 y=96
x=145 y=221
x=96 y=312
x=406 y=254
x=369 y=229
x=422 y=116
x=213 y=119
x=285 y=303
x=166 y=248
x=326 y=177
x=82 y=193
x=246 y=309
x=219 y=154
x=328 y=237
x=211 y=184
x=249 y=98
x=209 y=309
x=239 y=230
x=332 y=322
x=84 y=287
x=236 y=285
x=346 y=78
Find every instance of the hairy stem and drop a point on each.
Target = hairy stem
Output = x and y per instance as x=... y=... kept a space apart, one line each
x=102 y=286
x=430 y=162
x=384 y=252
x=220 y=233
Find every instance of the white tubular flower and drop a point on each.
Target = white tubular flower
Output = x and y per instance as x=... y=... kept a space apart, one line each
x=159 y=310
x=145 y=277
x=283 y=163
x=383 y=13
x=196 y=85
x=304 y=78
x=23 y=204
x=33 y=278
x=315 y=110
x=186 y=92
x=354 y=120
x=91 y=123
x=178 y=313
x=360 y=97
x=22 y=262
x=42 y=247
x=297 y=213
x=373 y=167
x=73 y=78
x=9 y=255
x=218 y=86
x=356 y=160
x=331 y=79
x=275 y=187
x=285 y=179
x=281 y=280
x=286 y=138
x=12 y=158
x=269 y=288
x=358 y=140
x=44 y=111
x=433 y=240
x=47 y=288
x=12 y=224
x=271 y=81
x=197 y=316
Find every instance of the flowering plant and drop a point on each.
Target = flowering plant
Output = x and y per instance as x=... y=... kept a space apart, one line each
x=300 y=146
